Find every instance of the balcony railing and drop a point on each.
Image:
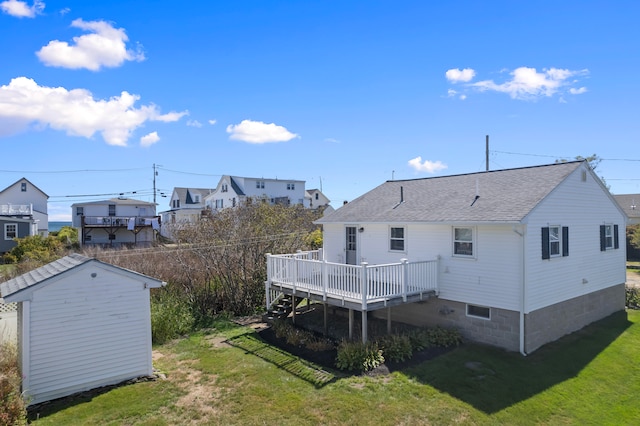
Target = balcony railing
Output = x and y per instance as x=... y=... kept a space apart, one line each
x=16 y=209
x=363 y=284
x=121 y=221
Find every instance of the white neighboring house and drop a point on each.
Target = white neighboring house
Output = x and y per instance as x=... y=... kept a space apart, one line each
x=234 y=190
x=116 y=222
x=82 y=324
x=187 y=205
x=513 y=258
x=316 y=199
x=23 y=200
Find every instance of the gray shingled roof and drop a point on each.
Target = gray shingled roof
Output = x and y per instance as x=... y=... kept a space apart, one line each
x=630 y=203
x=504 y=196
x=41 y=274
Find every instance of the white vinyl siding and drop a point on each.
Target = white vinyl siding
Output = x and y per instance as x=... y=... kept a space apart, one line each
x=87 y=332
x=581 y=206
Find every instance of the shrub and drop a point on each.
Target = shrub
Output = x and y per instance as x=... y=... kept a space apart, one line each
x=632 y=297
x=419 y=339
x=12 y=406
x=444 y=337
x=170 y=315
x=357 y=356
x=396 y=347
x=298 y=337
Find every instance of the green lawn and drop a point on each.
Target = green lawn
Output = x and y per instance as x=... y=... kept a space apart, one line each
x=228 y=376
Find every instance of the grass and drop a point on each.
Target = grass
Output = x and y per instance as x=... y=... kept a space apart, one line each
x=228 y=376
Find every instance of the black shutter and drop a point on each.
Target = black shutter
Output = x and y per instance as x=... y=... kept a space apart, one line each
x=565 y=241
x=603 y=238
x=616 y=242
x=545 y=243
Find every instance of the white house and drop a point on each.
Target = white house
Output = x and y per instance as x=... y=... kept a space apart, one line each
x=234 y=190
x=82 y=324
x=116 y=222
x=186 y=205
x=23 y=212
x=513 y=258
x=316 y=199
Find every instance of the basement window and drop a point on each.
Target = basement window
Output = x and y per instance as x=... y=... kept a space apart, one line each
x=479 y=312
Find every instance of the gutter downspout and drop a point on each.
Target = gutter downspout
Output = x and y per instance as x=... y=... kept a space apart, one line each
x=523 y=288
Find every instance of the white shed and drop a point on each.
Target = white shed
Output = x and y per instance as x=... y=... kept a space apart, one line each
x=82 y=324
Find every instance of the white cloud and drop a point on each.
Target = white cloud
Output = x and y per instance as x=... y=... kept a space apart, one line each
x=213 y=122
x=528 y=84
x=194 y=123
x=332 y=140
x=105 y=46
x=258 y=132
x=150 y=139
x=579 y=91
x=20 y=9
x=456 y=75
x=426 y=165
x=75 y=111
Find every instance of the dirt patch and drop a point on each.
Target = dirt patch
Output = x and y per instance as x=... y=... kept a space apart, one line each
x=633 y=278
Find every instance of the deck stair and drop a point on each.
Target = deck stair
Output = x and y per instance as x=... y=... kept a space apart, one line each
x=280 y=309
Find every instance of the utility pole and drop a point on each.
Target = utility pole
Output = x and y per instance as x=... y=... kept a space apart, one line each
x=487 y=152
x=155 y=173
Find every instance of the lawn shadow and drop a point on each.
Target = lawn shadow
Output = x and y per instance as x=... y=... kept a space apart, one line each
x=491 y=380
x=252 y=344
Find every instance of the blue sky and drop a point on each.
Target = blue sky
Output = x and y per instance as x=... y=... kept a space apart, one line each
x=341 y=94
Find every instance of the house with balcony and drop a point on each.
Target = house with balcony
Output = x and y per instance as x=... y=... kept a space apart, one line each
x=234 y=190
x=116 y=222
x=514 y=258
x=186 y=206
x=23 y=212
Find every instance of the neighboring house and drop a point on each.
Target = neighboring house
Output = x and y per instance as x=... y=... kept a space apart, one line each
x=513 y=258
x=23 y=212
x=186 y=205
x=116 y=222
x=82 y=324
x=234 y=190
x=316 y=199
x=630 y=203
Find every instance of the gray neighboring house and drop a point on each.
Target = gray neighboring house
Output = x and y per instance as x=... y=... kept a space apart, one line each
x=630 y=203
x=513 y=258
x=23 y=212
x=82 y=324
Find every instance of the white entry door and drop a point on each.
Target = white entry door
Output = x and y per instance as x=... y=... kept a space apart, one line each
x=351 y=247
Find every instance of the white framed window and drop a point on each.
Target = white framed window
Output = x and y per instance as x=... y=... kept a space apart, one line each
x=197 y=198
x=260 y=184
x=10 y=231
x=23 y=187
x=476 y=311
x=112 y=210
x=396 y=238
x=555 y=241
x=224 y=188
x=291 y=186
x=609 y=239
x=219 y=204
x=79 y=211
x=463 y=241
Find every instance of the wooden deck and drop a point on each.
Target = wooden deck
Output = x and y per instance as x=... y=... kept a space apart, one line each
x=361 y=287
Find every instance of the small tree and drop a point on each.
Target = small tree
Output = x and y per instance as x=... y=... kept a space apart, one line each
x=36 y=249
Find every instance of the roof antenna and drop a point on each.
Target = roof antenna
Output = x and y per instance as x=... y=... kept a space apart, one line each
x=477 y=192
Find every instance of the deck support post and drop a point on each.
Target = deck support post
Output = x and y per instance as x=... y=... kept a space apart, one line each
x=405 y=278
x=350 y=324
x=326 y=314
x=364 y=327
x=389 y=320
x=293 y=309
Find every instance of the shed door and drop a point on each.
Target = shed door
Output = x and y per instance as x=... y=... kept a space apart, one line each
x=350 y=245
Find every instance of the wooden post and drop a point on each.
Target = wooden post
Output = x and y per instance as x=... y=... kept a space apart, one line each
x=350 y=324
x=364 y=326
x=293 y=308
x=389 y=320
x=326 y=314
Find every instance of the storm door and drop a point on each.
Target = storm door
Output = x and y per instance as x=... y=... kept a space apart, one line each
x=350 y=244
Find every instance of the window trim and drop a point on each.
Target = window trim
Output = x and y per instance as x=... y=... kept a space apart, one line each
x=23 y=186
x=403 y=239
x=473 y=242
x=614 y=237
x=482 y=317
x=563 y=246
x=6 y=227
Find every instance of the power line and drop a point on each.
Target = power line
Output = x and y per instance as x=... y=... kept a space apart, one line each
x=559 y=156
x=71 y=171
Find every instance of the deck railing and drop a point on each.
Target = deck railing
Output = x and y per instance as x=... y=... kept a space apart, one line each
x=122 y=221
x=16 y=209
x=308 y=272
